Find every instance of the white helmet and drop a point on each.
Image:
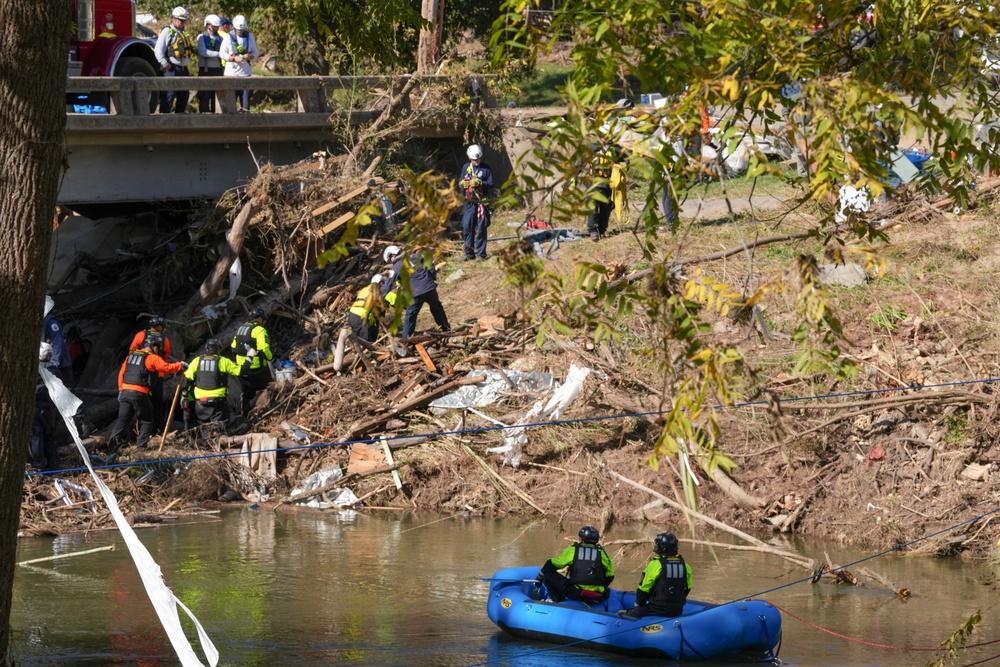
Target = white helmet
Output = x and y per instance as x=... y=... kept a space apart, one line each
x=180 y=13
x=390 y=252
x=377 y=279
x=239 y=22
x=474 y=152
x=45 y=351
x=213 y=19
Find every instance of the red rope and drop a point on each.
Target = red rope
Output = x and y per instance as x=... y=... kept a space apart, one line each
x=886 y=646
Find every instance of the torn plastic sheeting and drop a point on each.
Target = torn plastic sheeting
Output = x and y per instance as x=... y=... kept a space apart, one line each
x=63 y=484
x=515 y=438
x=319 y=479
x=493 y=388
x=164 y=602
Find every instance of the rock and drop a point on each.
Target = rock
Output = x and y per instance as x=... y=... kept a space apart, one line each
x=455 y=277
x=846 y=275
x=977 y=472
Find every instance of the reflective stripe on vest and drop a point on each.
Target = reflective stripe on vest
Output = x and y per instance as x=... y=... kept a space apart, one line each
x=243 y=339
x=135 y=369
x=588 y=567
x=207 y=376
x=671 y=585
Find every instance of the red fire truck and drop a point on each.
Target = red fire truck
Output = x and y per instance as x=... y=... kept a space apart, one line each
x=104 y=44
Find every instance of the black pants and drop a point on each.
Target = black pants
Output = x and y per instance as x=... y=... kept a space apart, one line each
x=167 y=97
x=560 y=589
x=669 y=610
x=133 y=403
x=598 y=220
x=437 y=310
x=210 y=410
x=251 y=382
x=44 y=451
x=206 y=98
x=361 y=329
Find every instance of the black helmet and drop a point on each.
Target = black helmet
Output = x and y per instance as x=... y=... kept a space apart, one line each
x=665 y=544
x=157 y=321
x=256 y=314
x=589 y=535
x=213 y=345
x=152 y=340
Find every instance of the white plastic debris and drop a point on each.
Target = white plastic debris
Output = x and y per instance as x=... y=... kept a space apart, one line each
x=164 y=602
x=852 y=200
x=541 y=411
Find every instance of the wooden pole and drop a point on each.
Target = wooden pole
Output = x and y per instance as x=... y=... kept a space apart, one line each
x=170 y=417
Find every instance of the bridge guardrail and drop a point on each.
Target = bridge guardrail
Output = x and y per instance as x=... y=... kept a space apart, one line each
x=129 y=96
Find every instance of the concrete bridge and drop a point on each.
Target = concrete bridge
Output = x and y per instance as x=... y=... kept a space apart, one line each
x=130 y=155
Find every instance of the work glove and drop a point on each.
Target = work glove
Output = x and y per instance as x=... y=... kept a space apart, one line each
x=476 y=182
x=251 y=353
x=184 y=365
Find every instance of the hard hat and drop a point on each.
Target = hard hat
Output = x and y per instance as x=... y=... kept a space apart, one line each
x=212 y=19
x=180 y=13
x=377 y=279
x=152 y=340
x=665 y=544
x=45 y=351
x=474 y=152
x=240 y=22
x=390 y=252
x=257 y=314
x=157 y=321
x=213 y=345
x=589 y=535
x=223 y=20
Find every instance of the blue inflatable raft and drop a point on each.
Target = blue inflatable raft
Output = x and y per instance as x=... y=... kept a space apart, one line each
x=747 y=630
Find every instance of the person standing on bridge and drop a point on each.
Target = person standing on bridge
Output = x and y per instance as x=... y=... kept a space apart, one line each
x=475 y=181
x=173 y=49
x=209 y=64
x=238 y=52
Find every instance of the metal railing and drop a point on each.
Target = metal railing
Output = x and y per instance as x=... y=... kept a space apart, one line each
x=130 y=96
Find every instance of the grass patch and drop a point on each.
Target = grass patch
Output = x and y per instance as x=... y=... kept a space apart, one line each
x=541 y=90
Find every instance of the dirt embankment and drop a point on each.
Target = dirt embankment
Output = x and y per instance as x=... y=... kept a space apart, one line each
x=862 y=462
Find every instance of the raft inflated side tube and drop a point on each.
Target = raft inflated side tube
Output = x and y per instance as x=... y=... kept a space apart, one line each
x=338 y=354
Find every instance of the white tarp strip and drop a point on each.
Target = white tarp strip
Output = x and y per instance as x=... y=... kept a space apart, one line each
x=162 y=598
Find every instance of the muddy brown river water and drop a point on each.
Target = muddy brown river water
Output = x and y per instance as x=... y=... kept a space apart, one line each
x=393 y=588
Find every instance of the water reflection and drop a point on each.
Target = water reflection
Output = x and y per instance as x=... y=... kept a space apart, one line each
x=402 y=589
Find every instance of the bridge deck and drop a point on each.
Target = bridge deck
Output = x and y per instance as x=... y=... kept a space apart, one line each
x=130 y=154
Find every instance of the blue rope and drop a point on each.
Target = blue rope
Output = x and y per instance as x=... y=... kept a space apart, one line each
x=489 y=429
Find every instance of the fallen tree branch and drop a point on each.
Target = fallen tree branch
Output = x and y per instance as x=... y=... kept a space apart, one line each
x=496 y=476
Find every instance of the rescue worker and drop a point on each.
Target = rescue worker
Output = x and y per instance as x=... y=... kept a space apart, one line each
x=43 y=447
x=665 y=584
x=475 y=181
x=173 y=49
x=226 y=26
x=606 y=156
x=252 y=343
x=209 y=43
x=237 y=52
x=367 y=309
x=52 y=333
x=590 y=570
x=205 y=375
x=423 y=284
x=157 y=327
x=134 y=381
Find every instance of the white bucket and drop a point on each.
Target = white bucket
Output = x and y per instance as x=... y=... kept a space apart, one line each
x=285 y=373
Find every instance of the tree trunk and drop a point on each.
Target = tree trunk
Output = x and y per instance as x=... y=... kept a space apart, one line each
x=32 y=119
x=429 y=44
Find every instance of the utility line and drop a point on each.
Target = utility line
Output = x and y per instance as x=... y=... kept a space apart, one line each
x=488 y=429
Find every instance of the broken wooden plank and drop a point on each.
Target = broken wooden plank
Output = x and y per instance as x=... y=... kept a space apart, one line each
x=358 y=429
x=422 y=351
x=339 y=222
x=343 y=199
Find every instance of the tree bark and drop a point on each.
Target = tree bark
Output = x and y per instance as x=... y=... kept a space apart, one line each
x=32 y=119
